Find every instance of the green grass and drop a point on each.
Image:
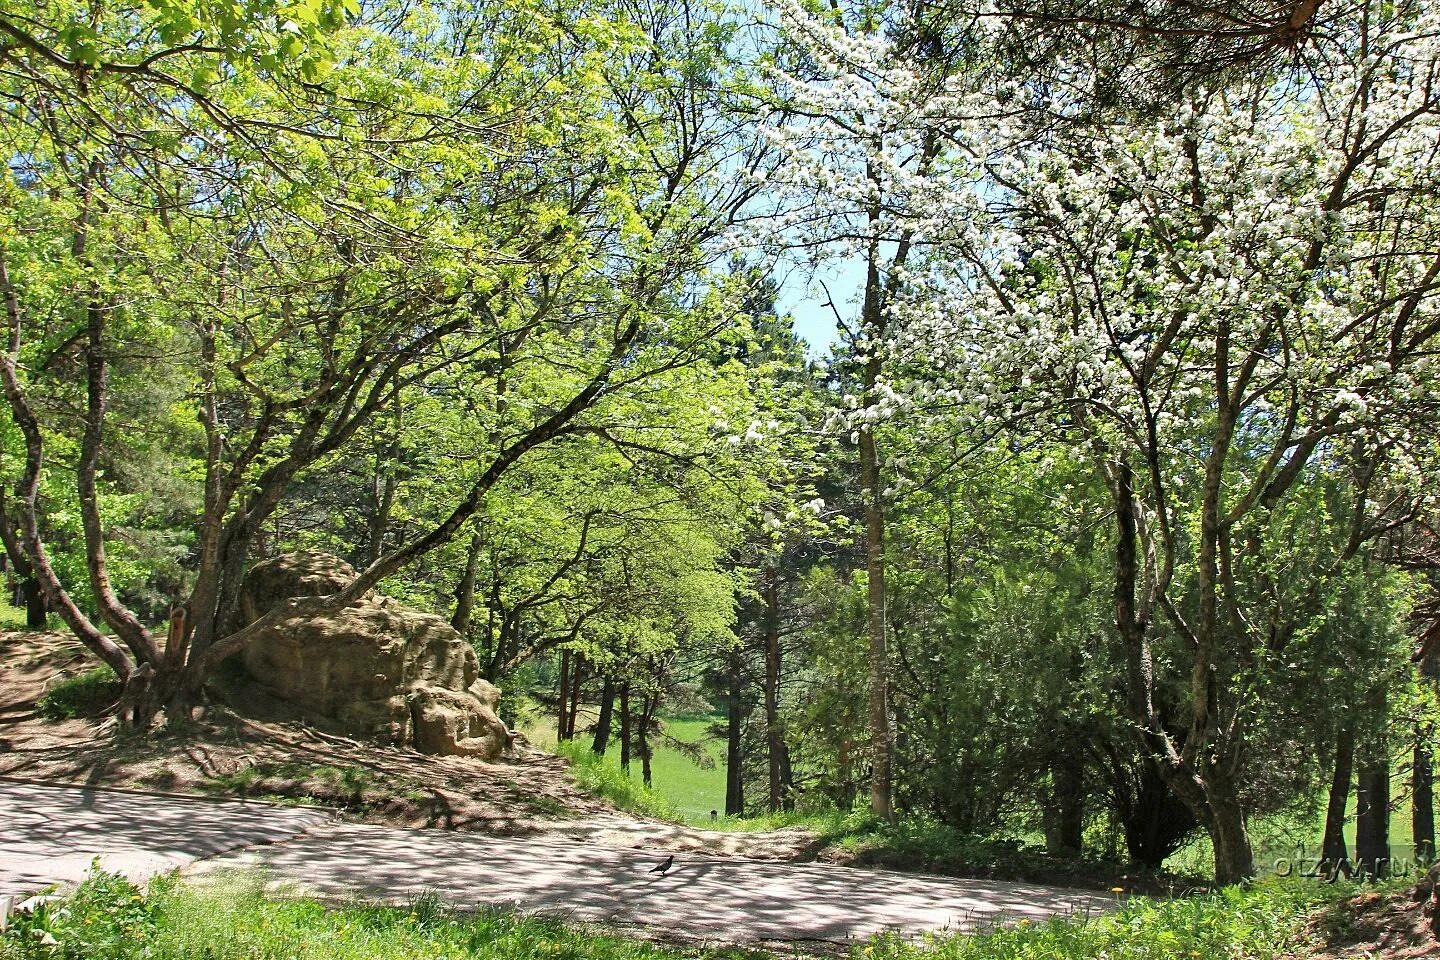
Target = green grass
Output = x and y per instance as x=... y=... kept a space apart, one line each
x=603 y=776
x=107 y=918
x=12 y=617
x=1264 y=922
x=83 y=695
x=687 y=790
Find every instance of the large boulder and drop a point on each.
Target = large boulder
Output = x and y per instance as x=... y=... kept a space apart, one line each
x=376 y=669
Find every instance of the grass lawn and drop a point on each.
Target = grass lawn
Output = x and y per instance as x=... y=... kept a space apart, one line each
x=689 y=789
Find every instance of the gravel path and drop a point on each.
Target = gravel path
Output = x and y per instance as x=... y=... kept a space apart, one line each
x=52 y=833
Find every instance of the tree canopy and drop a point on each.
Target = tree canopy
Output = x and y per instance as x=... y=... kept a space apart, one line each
x=1110 y=516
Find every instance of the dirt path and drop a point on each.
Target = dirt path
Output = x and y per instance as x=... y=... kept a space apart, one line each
x=57 y=830
x=51 y=834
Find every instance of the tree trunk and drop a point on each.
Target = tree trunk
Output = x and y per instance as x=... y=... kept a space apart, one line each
x=1422 y=784
x=787 y=779
x=878 y=659
x=464 y=616
x=734 y=742
x=1422 y=802
x=845 y=760
x=603 y=722
x=882 y=747
x=1372 y=819
x=1209 y=792
x=562 y=698
x=1065 y=810
x=1333 y=850
x=37 y=611
x=625 y=733
x=774 y=737
x=1234 y=856
x=577 y=680
x=26 y=539
x=382 y=495
x=647 y=714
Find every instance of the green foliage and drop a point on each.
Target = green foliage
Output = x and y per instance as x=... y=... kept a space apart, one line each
x=11 y=617
x=603 y=776
x=1266 y=922
x=690 y=789
x=107 y=918
x=83 y=695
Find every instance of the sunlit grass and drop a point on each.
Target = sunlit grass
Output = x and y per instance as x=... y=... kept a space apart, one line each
x=107 y=918
x=687 y=790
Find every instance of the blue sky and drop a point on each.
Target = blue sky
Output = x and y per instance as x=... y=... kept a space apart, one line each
x=803 y=297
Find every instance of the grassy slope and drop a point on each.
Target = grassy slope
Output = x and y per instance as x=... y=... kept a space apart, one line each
x=689 y=790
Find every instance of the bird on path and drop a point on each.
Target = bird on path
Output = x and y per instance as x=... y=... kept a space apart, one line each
x=663 y=868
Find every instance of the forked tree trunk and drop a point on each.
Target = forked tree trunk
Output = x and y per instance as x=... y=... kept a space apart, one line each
x=1207 y=787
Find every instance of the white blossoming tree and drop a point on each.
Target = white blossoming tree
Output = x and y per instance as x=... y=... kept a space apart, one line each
x=1220 y=308
x=863 y=138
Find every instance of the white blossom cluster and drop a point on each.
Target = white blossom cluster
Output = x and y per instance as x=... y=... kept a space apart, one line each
x=1271 y=250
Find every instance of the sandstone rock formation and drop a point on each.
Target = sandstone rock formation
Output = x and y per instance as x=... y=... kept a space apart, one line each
x=376 y=670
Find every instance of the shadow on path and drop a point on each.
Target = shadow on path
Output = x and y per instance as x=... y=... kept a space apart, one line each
x=51 y=834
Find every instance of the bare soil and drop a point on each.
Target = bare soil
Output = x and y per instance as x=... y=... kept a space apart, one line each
x=1379 y=925
x=224 y=754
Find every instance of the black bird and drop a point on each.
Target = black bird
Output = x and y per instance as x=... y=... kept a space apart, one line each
x=662 y=868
